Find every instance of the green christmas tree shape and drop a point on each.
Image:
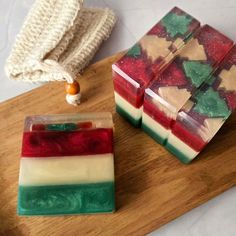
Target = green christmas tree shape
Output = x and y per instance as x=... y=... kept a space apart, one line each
x=62 y=127
x=210 y=80
x=134 y=51
x=209 y=103
x=197 y=72
x=176 y=24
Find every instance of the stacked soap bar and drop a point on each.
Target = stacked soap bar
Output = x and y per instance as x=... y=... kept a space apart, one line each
x=167 y=94
x=67 y=165
x=206 y=111
x=147 y=58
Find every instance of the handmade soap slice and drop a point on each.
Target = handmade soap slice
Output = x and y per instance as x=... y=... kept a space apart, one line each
x=167 y=94
x=67 y=165
x=204 y=114
x=147 y=58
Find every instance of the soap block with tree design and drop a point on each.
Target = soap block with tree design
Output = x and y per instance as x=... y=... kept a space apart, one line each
x=67 y=165
x=147 y=58
x=167 y=94
x=204 y=114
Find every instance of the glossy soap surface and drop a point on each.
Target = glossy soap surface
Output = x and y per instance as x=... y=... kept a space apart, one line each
x=67 y=165
x=145 y=60
x=192 y=67
x=66 y=199
x=207 y=110
x=68 y=143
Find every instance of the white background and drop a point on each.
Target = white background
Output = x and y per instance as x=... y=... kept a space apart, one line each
x=218 y=216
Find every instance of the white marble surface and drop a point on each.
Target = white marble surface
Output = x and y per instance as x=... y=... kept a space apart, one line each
x=218 y=216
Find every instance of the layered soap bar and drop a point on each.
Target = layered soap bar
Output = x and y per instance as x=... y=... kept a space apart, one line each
x=147 y=58
x=167 y=94
x=67 y=165
x=204 y=114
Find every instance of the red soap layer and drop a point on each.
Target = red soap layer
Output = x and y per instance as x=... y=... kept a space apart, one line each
x=172 y=76
x=159 y=116
x=84 y=142
x=215 y=43
x=85 y=125
x=38 y=127
x=138 y=69
x=230 y=97
x=133 y=95
x=190 y=138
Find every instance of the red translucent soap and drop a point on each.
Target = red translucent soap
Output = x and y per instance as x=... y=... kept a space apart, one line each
x=84 y=142
x=207 y=110
x=68 y=135
x=150 y=55
x=190 y=69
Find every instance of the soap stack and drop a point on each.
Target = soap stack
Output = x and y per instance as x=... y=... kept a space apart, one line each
x=67 y=165
x=203 y=115
x=167 y=94
x=147 y=58
x=159 y=101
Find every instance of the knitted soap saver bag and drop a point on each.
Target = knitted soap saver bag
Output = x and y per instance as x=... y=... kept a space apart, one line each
x=57 y=40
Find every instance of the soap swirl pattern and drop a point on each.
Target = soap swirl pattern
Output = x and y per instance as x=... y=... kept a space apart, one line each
x=67 y=199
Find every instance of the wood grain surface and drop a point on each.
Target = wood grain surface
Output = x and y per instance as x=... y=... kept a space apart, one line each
x=152 y=187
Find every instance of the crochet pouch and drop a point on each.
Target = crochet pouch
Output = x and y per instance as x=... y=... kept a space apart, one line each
x=57 y=40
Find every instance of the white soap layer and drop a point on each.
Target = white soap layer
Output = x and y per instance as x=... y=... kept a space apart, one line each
x=66 y=170
x=155 y=126
x=182 y=147
x=134 y=112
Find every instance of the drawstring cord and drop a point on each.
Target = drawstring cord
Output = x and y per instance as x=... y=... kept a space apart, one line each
x=73 y=95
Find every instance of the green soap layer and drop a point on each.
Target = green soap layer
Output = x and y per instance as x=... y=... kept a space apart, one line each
x=128 y=117
x=153 y=134
x=66 y=199
x=61 y=127
x=183 y=158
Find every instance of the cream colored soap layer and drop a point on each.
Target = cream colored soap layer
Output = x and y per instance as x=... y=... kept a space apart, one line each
x=182 y=147
x=154 y=126
x=66 y=170
x=134 y=112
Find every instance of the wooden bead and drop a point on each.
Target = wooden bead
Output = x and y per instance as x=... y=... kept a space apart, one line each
x=73 y=88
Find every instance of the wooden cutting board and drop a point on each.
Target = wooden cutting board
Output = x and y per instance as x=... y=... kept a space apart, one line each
x=152 y=187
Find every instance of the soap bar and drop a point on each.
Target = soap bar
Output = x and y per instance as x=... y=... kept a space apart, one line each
x=167 y=94
x=204 y=114
x=147 y=58
x=67 y=165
